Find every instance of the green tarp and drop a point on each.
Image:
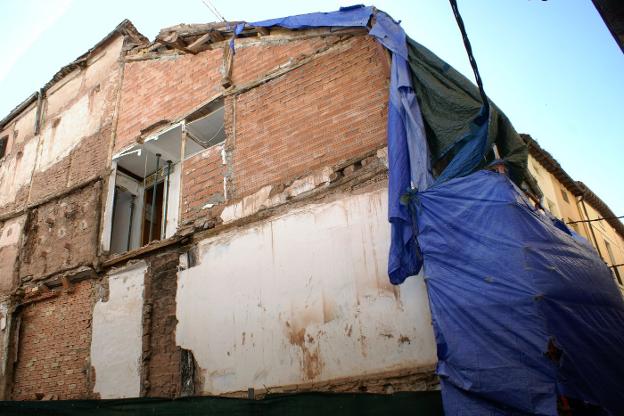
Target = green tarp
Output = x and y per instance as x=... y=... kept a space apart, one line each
x=324 y=404
x=448 y=100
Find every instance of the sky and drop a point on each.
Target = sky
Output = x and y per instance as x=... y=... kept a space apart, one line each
x=551 y=66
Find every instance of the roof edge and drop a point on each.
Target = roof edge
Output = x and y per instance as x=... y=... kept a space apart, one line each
x=577 y=188
x=125 y=28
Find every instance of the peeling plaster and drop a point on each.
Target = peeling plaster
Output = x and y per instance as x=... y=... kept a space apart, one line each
x=63 y=134
x=16 y=171
x=303 y=297
x=116 y=343
x=263 y=198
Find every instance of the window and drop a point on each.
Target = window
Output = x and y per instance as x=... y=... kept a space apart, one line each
x=204 y=128
x=4 y=141
x=145 y=188
x=564 y=195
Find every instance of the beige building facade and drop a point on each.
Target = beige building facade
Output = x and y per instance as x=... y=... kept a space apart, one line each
x=580 y=208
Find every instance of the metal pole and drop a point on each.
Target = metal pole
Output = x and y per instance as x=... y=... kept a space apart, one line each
x=132 y=203
x=153 y=208
x=114 y=210
x=164 y=232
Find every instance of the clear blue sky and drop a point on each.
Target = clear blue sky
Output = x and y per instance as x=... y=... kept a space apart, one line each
x=552 y=66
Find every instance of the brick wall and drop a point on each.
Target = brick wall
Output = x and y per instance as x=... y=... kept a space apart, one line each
x=253 y=61
x=62 y=233
x=53 y=352
x=330 y=109
x=162 y=369
x=165 y=89
x=202 y=182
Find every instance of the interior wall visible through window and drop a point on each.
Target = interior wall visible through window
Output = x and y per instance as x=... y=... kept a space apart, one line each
x=146 y=196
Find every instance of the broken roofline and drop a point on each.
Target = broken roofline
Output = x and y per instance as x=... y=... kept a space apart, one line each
x=186 y=38
x=125 y=28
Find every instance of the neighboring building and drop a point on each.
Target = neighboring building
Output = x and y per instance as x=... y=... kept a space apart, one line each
x=574 y=203
x=259 y=181
x=612 y=13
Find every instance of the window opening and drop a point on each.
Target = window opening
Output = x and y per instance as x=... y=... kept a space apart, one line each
x=564 y=195
x=153 y=215
x=146 y=183
x=205 y=128
x=4 y=141
x=146 y=208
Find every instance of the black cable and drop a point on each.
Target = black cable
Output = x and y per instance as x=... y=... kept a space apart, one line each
x=473 y=62
x=596 y=219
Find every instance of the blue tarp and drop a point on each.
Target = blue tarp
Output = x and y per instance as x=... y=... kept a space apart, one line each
x=408 y=153
x=506 y=283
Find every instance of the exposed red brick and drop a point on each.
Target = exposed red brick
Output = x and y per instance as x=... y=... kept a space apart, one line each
x=165 y=89
x=330 y=109
x=53 y=352
x=163 y=363
x=202 y=179
x=62 y=233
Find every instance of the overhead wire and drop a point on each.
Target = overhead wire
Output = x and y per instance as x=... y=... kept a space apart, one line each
x=214 y=10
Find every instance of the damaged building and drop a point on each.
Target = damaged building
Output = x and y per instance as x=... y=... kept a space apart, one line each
x=152 y=183
x=205 y=214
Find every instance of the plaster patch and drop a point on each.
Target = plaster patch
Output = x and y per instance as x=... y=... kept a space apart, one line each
x=116 y=343
x=11 y=230
x=16 y=171
x=59 y=138
x=248 y=205
x=302 y=297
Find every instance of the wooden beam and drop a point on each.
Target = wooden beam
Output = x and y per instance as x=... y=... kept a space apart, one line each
x=174 y=41
x=136 y=253
x=216 y=36
x=200 y=43
x=228 y=58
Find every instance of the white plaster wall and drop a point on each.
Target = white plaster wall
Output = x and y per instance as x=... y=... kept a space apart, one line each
x=174 y=199
x=302 y=297
x=116 y=343
x=10 y=233
x=80 y=120
x=107 y=222
x=11 y=230
x=104 y=65
x=16 y=171
x=5 y=340
x=25 y=124
x=63 y=92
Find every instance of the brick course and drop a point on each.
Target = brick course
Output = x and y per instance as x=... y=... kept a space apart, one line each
x=163 y=363
x=330 y=109
x=54 y=343
x=165 y=89
x=202 y=179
